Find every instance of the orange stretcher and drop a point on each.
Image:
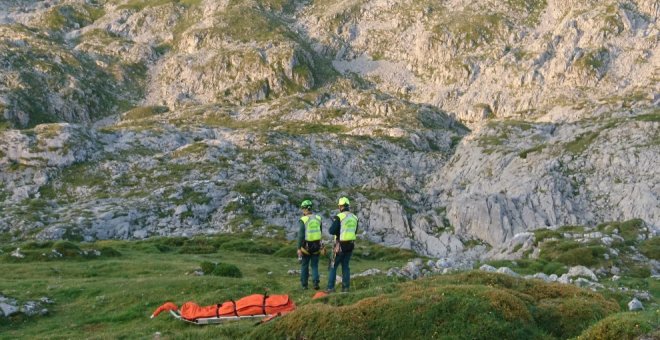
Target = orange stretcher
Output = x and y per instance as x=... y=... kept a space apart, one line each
x=250 y=307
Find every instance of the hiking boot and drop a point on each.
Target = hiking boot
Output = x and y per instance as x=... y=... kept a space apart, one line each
x=344 y=290
x=304 y=288
x=316 y=286
x=330 y=290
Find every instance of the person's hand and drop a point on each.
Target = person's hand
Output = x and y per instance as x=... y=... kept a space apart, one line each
x=299 y=253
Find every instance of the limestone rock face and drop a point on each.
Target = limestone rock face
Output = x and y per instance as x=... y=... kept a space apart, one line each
x=456 y=128
x=387 y=224
x=580 y=173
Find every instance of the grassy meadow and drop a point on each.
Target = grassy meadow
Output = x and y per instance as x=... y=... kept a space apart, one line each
x=111 y=296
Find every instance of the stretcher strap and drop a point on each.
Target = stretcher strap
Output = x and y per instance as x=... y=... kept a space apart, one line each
x=235 y=309
x=263 y=305
x=217 y=310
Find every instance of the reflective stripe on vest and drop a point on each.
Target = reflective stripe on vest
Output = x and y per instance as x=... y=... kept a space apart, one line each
x=349 y=224
x=312 y=227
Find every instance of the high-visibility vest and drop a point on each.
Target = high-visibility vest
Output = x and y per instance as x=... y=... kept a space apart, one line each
x=348 y=228
x=312 y=227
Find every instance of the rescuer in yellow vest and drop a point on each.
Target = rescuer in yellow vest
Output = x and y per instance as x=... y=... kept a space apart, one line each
x=344 y=228
x=309 y=244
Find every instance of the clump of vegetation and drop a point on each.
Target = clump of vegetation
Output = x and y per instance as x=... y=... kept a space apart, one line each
x=144 y=112
x=198 y=245
x=629 y=230
x=530 y=267
x=506 y=307
x=594 y=62
x=573 y=253
x=624 y=326
x=582 y=142
x=66 y=248
x=651 y=248
x=378 y=252
x=523 y=154
x=220 y=269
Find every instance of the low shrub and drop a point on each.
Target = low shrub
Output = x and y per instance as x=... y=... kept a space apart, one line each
x=109 y=252
x=651 y=248
x=288 y=251
x=227 y=270
x=623 y=326
x=568 y=316
x=258 y=246
x=37 y=245
x=220 y=269
x=66 y=248
x=198 y=246
x=586 y=256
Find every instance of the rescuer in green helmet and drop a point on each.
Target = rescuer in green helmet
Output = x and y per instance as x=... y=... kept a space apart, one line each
x=344 y=228
x=309 y=244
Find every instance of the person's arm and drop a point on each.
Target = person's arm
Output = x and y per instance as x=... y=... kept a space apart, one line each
x=301 y=234
x=335 y=227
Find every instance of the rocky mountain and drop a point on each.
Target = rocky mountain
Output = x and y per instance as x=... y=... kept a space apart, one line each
x=452 y=125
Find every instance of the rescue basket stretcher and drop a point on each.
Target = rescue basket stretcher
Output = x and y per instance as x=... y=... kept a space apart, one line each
x=256 y=306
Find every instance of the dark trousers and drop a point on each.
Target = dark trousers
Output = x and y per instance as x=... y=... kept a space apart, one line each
x=342 y=259
x=304 y=269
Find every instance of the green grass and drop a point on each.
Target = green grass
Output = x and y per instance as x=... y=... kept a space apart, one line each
x=629 y=230
x=144 y=112
x=581 y=143
x=113 y=295
x=651 y=117
x=651 y=248
x=138 y=5
x=523 y=154
x=530 y=267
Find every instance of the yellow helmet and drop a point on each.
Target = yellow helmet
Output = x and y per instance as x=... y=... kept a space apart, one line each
x=344 y=201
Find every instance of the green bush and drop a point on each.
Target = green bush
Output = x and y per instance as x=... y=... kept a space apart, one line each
x=144 y=112
x=163 y=248
x=37 y=245
x=207 y=267
x=288 y=251
x=586 y=256
x=622 y=326
x=220 y=269
x=542 y=234
x=227 y=270
x=198 y=246
x=258 y=246
x=629 y=230
x=651 y=248
x=639 y=271
x=109 y=252
x=568 y=316
x=66 y=248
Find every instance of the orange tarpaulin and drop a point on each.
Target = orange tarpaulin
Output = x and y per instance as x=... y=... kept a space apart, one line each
x=255 y=304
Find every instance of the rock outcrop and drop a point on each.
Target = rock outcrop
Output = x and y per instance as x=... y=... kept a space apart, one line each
x=125 y=119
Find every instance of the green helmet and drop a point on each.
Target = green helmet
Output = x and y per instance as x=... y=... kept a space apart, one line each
x=344 y=201
x=306 y=204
